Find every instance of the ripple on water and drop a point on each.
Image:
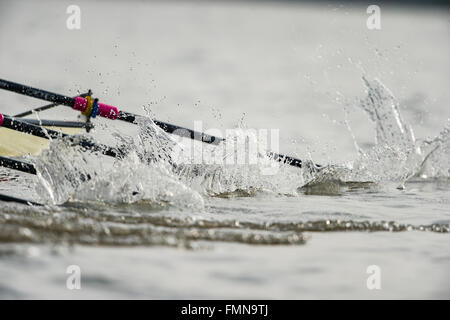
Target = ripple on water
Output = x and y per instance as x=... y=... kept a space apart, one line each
x=77 y=226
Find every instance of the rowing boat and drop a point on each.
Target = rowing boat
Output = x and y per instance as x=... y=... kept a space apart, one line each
x=17 y=144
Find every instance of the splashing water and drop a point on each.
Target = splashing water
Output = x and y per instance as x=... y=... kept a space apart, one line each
x=397 y=156
x=436 y=162
x=225 y=176
x=65 y=173
x=148 y=172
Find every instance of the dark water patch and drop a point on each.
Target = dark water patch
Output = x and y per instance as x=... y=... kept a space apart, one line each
x=120 y=230
x=238 y=193
x=336 y=187
x=248 y=279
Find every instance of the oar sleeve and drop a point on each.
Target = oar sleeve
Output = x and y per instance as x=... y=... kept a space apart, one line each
x=104 y=110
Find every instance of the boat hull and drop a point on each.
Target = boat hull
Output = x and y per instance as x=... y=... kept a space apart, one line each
x=16 y=144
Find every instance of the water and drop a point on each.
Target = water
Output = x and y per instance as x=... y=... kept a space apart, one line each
x=371 y=108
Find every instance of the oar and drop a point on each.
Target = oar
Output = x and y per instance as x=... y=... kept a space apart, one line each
x=77 y=103
x=111 y=112
x=104 y=110
x=46 y=107
x=56 y=123
x=17 y=165
x=6 y=198
x=38 y=131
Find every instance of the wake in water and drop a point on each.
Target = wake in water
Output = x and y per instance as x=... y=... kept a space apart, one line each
x=78 y=224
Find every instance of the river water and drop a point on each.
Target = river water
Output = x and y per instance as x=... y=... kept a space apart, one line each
x=371 y=107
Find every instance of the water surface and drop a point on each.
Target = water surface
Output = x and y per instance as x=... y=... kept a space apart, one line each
x=370 y=107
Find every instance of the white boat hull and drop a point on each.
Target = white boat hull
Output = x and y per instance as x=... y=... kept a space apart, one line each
x=16 y=144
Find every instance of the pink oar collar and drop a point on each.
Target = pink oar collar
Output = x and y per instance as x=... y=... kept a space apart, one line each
x=104 y=110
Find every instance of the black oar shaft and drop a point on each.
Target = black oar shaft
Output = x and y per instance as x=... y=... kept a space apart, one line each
x=206 y=138
x=6 y=198
x=46 y=107
x=188 y=133
x=56 y=123
x=173 y=129
x=36 y=93
x=110 y=112
x=29 y=128
x=286 y=159
x=17 y=165
x=77 y=103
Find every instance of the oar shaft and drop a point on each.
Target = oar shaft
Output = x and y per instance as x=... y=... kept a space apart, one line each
x=36 y=93
x=77 y=103
x=6 y=198
x=206 y=138
x=188 y=133
x=111 y=112
x=173 y=129
x=56 y=123
x=17 y=165
x=287 y=159
x=29 y=128
x=46 y=107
